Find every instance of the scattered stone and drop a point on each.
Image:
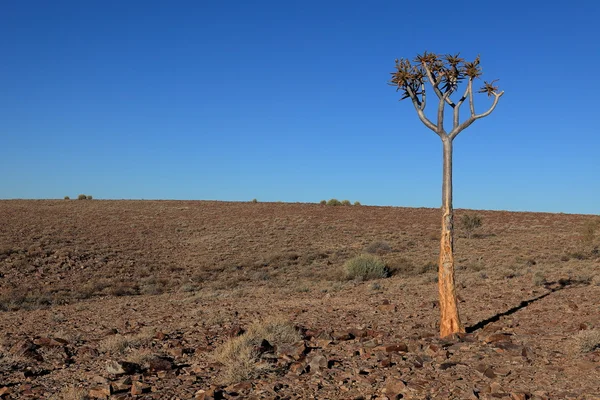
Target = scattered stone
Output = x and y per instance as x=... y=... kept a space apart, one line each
x=317 y=363
x=122 y=385
x=519 y=396
x=158 y=363
x=4 y=391
x=100 y=392
x=138 y=388
x=342 y=336
x=498 y=337
x=122 y=367
x=394 y=388
x=25 y=348
x=49 y=342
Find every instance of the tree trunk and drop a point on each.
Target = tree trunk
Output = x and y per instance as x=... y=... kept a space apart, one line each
x=450 y=320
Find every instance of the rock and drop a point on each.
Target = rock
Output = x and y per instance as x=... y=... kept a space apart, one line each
x=122 y=385
x=394 y=388
x=160 y=364
x=518 y=396
x=359 y=333
x=387 y=307
x=4 y=391
x=49 y=342
x=238 y=388
x=235 y=331
x=393 y=348
x=88 y=351
x=297 y=367
x=446 y=365
x=100 y=392
x=317 y=363
x=295 y=351
x=342 y=336
x=25 y=348
x=160 y=336
x=122 y=367
x=498 y=337
x=138 y=388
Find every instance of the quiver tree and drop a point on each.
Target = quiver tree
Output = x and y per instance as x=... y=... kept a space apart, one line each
x=444 y=74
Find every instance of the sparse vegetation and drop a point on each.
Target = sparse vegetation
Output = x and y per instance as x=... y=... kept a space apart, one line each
x=470 y=222
x=241 y=355
x=323 y=202
x=379 y=247
x=254 y=201
x=346 y=203
x=67 y=198
x=365 y=267
x=357 y=203
x=88 y=197
x=588 y=340
x=334 y=202
x=82 y=197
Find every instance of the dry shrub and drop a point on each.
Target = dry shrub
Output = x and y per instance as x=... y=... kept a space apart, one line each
x=588 y=340
x=405 y=267
x=70 y=393
x=240 y=355
x=365 y=267
x=120 y=344
x=378 y=247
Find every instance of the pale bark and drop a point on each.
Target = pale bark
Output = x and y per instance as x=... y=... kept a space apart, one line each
x=449 y=316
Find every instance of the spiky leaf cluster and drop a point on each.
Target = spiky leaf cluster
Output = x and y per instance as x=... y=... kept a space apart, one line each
x=445 y=72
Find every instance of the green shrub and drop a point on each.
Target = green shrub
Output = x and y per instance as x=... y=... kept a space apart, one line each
x=365 y=267
x=357 y=203
x=334 y=202
x=346 y=203
x=323 y=202
x=88 y=197
x=67 y=198
x=469 y=223
x=82 y=197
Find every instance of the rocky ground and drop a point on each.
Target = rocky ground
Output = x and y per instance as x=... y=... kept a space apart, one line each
x=137 y=299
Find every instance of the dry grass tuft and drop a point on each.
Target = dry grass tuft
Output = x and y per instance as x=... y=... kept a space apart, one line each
x=240 y=356
x=588 y=340
x=70 y=393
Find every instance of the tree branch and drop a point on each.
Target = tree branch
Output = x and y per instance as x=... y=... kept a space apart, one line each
x=457 y=108
x=440 y=116
x=423 y=97
x=420 y=112
x=435 y=84
x=474 y=116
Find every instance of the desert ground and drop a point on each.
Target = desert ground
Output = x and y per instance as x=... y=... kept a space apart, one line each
x=242 y=300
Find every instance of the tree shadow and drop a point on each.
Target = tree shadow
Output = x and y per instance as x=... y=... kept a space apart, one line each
x=551 y=286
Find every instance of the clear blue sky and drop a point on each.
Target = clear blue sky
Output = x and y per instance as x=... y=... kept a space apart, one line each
x=288 y=101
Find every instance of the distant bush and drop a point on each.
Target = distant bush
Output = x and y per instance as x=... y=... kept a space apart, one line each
x=254 y=201
x=469 y=223
x=82 y=197
x=365 y=267
x=334 y=202
x=378 y=247
x=89 y=197
x=323 y=202
x=588 y=232
x=346 y=203
x=357 y=203
x=67 y=198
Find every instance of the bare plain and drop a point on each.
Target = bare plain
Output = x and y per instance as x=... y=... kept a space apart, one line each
x=138 y=299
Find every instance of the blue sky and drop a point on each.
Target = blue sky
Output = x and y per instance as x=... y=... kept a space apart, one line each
x=288 y=101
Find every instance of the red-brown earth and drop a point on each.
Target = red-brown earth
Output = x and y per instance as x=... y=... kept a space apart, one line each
x=86 y=286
